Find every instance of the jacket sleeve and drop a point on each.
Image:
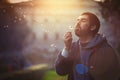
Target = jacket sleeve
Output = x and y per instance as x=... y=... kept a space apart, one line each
x=63 y=65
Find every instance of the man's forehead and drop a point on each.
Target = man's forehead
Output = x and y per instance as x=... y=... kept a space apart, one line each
x=83 y=17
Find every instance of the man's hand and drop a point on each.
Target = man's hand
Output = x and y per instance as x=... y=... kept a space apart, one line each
x=68 y=40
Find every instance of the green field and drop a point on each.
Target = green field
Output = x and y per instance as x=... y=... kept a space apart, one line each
x=51 y=75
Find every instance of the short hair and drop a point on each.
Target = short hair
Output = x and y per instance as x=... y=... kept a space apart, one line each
x=93 y=20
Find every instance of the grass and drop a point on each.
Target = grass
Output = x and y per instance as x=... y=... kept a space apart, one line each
x=52 y=75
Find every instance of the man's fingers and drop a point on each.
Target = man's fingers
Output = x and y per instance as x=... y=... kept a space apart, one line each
x=68 y=34
x=68 y=40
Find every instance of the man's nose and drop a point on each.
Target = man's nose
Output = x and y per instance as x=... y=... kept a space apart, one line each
x=77 y=26
x=78 y=22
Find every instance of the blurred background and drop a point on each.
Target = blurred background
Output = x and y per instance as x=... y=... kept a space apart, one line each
x=31 y=32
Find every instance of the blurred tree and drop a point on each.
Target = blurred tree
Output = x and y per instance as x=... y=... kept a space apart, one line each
x=13 y=31
x=110 y=7
x=111 y=13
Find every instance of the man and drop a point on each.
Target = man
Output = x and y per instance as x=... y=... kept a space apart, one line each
x=91 y=57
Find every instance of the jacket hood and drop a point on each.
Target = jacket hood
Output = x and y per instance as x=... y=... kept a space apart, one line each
x=95 y=41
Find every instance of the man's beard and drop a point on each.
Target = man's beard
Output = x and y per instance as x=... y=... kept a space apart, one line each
x=78 y=33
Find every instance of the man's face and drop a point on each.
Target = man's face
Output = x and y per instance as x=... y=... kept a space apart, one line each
x=82 y=26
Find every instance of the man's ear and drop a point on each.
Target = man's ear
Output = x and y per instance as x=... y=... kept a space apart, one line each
x=93 y=27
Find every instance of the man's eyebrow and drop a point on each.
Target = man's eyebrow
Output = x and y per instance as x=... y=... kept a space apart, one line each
x=83 y=19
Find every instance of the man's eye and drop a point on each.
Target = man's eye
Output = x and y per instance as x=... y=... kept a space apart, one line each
x=84 y=20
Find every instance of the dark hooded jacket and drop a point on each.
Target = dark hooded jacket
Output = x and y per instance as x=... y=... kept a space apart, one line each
x=94 y=61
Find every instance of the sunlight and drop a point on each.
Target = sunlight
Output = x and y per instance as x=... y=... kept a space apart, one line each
x=56 y=6
x=17 y=1
x=54 y=14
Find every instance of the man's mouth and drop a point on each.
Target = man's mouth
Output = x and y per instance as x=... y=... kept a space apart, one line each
x=77 y=29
